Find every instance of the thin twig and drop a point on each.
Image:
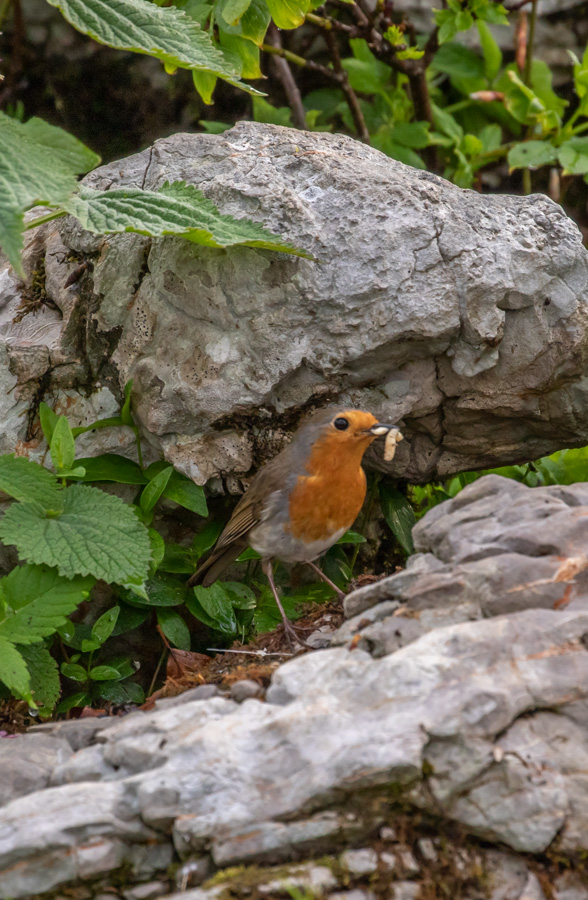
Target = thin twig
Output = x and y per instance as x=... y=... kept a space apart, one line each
x=350 y=95
x=285 y=76
x=527 y=78
x=300 y=61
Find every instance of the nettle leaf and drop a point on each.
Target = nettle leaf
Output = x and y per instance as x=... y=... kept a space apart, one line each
x=26 y=480
x=179 y=209
x=168 y=34
x=38 y=164
x=531 y=153
x=38 y=600
x=13 y=671
x=44 y=676
x=94 y=534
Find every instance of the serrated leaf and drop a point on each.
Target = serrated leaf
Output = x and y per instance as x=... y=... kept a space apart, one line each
x=531 y=153
x=112 y=467
x=25 y=480
x=168 y=34
x=175 y=209
x=63 y=448
x=398 y=513
x=38 y=600
x=44 y=676
x=217 y=605
x=13 y=671
x=174 y=628
x=38 y=164
x=95 y=534
x=104 y=626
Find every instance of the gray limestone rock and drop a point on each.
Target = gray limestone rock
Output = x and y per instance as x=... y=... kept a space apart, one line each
x=26 y=763
x=462 y=317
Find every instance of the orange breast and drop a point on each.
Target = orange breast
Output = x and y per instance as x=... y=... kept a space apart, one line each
x=330 y=497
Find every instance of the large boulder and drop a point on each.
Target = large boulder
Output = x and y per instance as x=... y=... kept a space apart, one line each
x=475 y=725
x=460 y=316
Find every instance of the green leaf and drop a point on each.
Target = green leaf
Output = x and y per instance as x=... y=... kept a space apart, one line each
x=48 y=420
x=383 y=140
x=573 y=156
x=157 y=549
x=445 y=20
x=44 y=675
x=63 y=448
x=95 y=534
x=137 y=25
x=241 y=596
x=181 y=489
x=153 y=491
x=252 y=25
x=232 y=10
x=206 y=539
x=215 y=127
x=445 y=123
x=351 y=537
x=399 y=515
x=38 y=164
x=104 y=626
x=319 y=592
x=288 y=13
x=129 y=618
x=74 y=671
x=531 y=153
x=491 y=51
x=25 y=480
x=205 y=84
x=411 y=134
x=162 y=590
x=272 y=115
x=13 y=671
x=112 y=467
x=458 y=60
x=177 y=560
x=104 y=673
x=366 y=73
x=178 y=209
x=174 y=628
x=122 y=692
x=75 y=701
x=267 y=616
x=217 y=606
x=37 y=600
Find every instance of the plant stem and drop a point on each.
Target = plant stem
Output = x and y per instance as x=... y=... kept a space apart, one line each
x=285 y=76
x=300 y=61
x=156 y=673
x=42 y=219
x=527 y=78
x=4 y=8
x=350 y=95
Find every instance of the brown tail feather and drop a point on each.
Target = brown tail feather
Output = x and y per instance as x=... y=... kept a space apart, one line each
x=215 y=565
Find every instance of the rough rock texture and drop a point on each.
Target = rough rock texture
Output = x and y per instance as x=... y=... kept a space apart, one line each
x=462 y=317
x=477 y=720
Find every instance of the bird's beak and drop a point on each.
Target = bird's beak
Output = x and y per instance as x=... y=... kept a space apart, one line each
x=379 y=429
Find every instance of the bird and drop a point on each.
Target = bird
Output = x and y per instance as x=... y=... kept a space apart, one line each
x=302 y=501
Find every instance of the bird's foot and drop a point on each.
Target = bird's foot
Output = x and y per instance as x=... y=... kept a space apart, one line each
x=294 y=637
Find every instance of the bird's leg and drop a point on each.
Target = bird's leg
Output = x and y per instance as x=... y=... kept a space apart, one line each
x=327 y=580
x=291 y=632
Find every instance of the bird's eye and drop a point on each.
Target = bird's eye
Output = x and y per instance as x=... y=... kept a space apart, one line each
x=341 y=424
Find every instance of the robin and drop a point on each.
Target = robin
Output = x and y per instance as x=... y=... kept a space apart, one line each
x=301 y=502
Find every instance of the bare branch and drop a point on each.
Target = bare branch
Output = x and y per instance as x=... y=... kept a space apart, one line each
x=286 y=78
